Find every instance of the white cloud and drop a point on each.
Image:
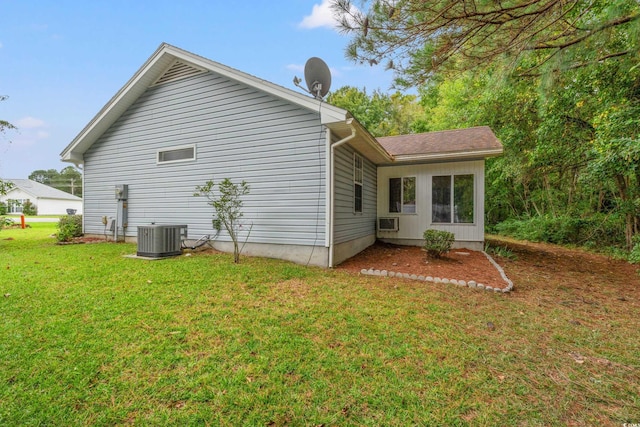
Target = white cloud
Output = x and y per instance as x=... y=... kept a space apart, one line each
x=321 y=16
x=29 y=123
x=296 y=67
x=29 y=132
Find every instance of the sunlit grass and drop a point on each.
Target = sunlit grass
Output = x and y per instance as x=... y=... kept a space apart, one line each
x=92 y=337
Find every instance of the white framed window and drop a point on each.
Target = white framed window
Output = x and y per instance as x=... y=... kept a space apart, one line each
x=357 y=182
x=14 y=206
x=183 y=153
x=402 y=195
x=452 y=199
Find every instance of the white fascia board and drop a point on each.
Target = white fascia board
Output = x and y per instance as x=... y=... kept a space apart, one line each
x=470 y=155
x=375 y=144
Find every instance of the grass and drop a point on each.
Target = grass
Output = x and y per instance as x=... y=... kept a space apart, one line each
x=17 y=216
x=91 y=337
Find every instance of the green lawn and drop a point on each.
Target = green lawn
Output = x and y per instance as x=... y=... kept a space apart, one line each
x=17 y=216
x=91 y=337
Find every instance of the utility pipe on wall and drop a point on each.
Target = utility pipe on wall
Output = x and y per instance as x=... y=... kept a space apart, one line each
x=332 y=186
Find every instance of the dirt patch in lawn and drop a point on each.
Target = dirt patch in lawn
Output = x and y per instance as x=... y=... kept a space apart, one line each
x=536 y=267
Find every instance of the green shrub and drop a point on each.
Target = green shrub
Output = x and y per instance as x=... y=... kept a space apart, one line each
x=502 y=251
x=29 y=208
x=3 y=208
x=69 y=226
x=634 y=255
x=595 y=230
x=438 y=242
x=5 y=222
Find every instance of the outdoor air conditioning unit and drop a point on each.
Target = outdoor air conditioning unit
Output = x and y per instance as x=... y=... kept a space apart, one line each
x=388 y=224
x=157 y=241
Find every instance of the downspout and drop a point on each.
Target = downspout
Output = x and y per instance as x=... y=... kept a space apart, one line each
x=83 y=215
x=333 y=185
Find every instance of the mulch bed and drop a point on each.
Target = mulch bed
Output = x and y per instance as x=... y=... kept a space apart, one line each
x=459 y=264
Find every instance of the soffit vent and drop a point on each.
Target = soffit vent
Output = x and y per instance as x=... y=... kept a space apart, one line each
x=178 y=70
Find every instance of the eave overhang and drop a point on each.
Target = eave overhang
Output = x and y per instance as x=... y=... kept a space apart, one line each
x=364 y=142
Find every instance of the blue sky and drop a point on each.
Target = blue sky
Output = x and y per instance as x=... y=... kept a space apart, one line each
x=61 y=61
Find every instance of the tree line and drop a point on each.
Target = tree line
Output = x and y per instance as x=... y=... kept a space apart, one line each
x=68 y=179
x=557 y=81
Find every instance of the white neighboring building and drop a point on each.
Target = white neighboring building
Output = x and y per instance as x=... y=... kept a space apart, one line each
x=48 y=200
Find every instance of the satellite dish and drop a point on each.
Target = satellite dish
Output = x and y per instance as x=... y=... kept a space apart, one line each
x=318 y=77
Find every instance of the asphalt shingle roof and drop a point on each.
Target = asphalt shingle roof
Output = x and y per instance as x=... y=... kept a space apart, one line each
x=468 y=140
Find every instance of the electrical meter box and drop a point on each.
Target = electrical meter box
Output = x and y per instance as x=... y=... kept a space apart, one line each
x=122 y=191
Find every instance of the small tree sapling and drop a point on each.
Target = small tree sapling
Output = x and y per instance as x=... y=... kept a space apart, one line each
x=227 y=204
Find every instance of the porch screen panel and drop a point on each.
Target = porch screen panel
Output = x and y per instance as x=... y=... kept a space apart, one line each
x=409 y=195
x=395 y=195
x=441 y=199
x=463 y=199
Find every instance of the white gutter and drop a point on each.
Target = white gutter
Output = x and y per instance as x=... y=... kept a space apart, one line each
x=332 y=186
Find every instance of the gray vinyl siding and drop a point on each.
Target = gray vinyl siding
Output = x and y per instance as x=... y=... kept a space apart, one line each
x=240 y=133
x=350 y=225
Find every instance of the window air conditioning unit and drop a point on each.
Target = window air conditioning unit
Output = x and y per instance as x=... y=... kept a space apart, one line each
x=388 y=224
x=157 y=241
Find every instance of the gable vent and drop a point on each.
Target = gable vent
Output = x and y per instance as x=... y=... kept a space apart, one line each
x=179 y=70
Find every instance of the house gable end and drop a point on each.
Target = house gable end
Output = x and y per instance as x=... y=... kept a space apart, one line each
x=169 y=63
x=178 y=70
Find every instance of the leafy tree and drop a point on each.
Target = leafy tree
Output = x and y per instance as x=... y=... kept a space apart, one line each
x=420 y=38
x=29 y=208
x=572 y=149
x=68 y=179
x=616 y=152
x=47 y=177
x=5 y=186
x=558 y=81
x=5 y=125
x=381 y=114
x=227 y=204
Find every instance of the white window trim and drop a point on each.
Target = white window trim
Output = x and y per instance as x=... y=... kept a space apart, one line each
x=179 y=147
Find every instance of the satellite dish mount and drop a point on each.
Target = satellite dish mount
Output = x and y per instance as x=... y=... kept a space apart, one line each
x=317 y=77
